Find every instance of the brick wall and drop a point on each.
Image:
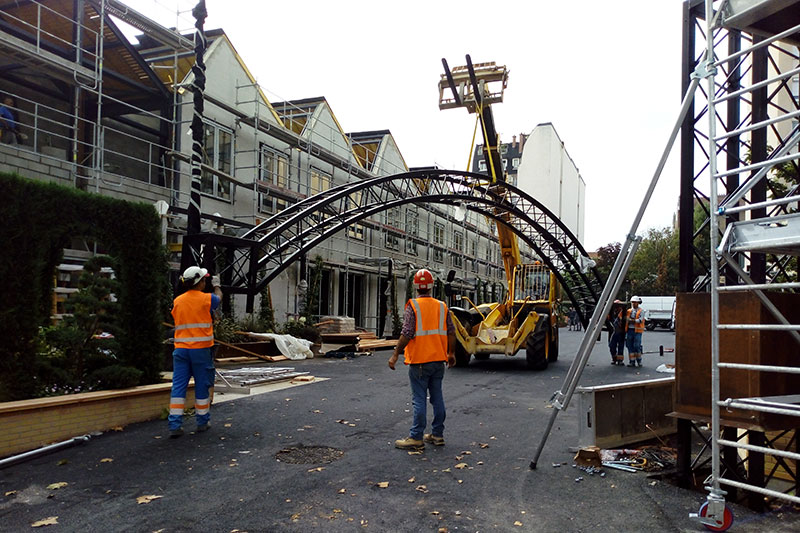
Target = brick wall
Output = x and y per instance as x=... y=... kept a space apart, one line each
x=29 y=424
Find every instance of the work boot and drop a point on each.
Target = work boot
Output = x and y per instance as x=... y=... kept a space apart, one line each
x=175 y=433
x=639 y=362
x=433 y=439
x=632 y=363
x=409 y=444
x=203 y=428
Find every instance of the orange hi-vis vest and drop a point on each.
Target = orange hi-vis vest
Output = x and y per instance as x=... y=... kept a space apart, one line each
x=193 y=326
x=637 y=328
x=430 y=336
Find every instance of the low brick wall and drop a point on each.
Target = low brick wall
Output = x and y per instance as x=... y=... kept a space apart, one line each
x=29 y=424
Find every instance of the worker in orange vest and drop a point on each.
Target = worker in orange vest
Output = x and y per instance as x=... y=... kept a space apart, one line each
x=634 y=327
x=428 y=339
x=193 y=312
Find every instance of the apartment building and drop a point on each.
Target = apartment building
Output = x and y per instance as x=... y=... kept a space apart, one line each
x=111 y=115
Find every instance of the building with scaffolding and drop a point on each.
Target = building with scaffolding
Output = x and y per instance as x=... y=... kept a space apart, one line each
x=110 y=115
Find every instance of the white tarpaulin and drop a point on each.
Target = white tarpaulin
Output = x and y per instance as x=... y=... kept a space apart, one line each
x=291 y=347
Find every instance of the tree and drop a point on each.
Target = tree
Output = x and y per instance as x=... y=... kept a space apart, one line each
x=654 y=269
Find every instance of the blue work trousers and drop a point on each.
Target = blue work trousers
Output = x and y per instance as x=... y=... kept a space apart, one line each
x=426 y=380
x=186 y=363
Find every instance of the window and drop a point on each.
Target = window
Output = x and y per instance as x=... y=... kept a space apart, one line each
x=482 y=165
x=457 y=259
x=392 y=217
x=217 y=154
x=320 y=181
x=473 y=252
x=412 y=229
x=392 y=241
x=515 y=163
x=480 y=149
x=438 y=234
x=505 y=164
x=273 y=169
x=503 y=148
x=353 y=201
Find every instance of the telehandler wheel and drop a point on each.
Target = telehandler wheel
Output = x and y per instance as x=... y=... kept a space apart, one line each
x=552 y=355
x=481 y=356
x=535 y=346
x=462 y=357
x=650 y=326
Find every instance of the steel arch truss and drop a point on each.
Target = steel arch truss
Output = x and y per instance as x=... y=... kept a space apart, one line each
x=258 y=257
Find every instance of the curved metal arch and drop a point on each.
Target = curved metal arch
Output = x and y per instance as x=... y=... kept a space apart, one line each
x=583 y=300
x=285 y=236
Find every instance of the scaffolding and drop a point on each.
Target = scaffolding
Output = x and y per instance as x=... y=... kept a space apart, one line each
x=743 y=246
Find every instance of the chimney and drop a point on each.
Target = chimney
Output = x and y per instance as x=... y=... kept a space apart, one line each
x=514 y=142
x=522 y=139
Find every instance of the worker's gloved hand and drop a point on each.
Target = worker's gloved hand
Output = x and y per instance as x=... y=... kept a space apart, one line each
x=215 y=281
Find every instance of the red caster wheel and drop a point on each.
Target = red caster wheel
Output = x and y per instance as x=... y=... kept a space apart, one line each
x=727 y=518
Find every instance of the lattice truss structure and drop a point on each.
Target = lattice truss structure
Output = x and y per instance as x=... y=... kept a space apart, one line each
x=756 y=114
x=250 y=262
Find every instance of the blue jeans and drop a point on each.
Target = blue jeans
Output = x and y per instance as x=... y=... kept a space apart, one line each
x=634 y=342
x=426 y=378
x=617 y=344
x=186 y=363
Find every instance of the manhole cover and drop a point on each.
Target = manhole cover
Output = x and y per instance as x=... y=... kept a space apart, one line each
x=309 y=454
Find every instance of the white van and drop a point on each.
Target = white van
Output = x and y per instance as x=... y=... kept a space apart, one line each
x=659 y=311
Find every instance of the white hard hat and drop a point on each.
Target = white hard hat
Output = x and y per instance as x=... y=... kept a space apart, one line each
x=636 y=299
x=193 y=275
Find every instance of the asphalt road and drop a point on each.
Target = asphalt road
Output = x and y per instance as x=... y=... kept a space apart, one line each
x=228 y=479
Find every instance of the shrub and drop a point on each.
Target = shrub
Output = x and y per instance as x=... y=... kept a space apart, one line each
x=115 y=377
x=301 y=330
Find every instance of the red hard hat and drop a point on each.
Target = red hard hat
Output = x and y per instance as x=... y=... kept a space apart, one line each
x=423 y=279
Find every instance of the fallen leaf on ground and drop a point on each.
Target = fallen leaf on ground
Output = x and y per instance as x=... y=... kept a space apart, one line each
x=492 y=438
x=12 y=492
x=226 y=425
x=517 y=523
x=459 y=457
x=364 y=523
x=317 y=469
x=410 y=480
x=483 y=445
x=106 y=460
x=466 y=452
x=117 y=428
x=62 y=462
x=342 y=491
x=435 y=513
x=416 y=452
x=460 y=481
x=295 y=517
x=458 y=513
x=443 y=530
x=480 y=463
x=59 y=485
x=49 y=521
x=461 y=466
x=337 y=510
x=383 y=484
x=147 y=499
x=422 y=488
x=446 y=470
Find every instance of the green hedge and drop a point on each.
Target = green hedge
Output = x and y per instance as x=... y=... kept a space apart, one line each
x=40 y=219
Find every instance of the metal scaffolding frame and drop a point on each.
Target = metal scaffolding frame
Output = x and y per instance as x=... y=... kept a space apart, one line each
x=744 y=180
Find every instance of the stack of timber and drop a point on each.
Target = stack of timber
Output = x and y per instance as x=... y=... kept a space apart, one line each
x=336 y=324
x=357 y=341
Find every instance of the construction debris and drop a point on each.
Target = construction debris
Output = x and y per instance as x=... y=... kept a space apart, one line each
x=336 y=324
x=240 y=380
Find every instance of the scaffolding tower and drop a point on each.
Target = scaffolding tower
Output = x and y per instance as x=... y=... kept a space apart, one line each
x=740 y=238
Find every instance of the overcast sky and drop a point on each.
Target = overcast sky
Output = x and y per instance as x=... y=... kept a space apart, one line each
x=606 y=74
